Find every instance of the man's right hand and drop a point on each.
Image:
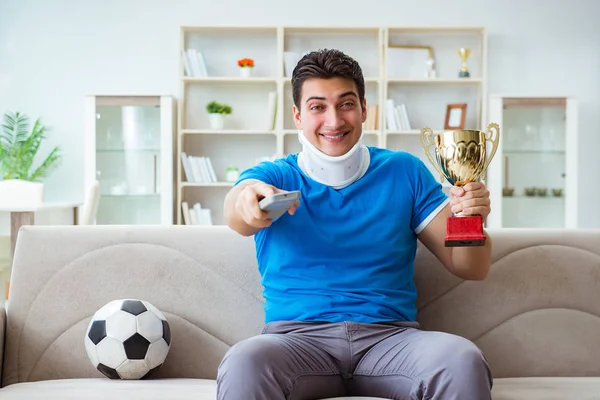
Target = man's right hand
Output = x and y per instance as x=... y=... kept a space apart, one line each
x=247 y=206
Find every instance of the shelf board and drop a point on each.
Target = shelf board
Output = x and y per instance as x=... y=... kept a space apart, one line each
x=410 y=132
x=206 y=184
x=287 y=80
x=226 y=132
x=231 y=29
x=330 y=30
x=557 y=152
x=227 y=79
x=131 y=196
x=436 y=29
x=435 y=81
x=532 y=198
x=127 y=150
x=295 y=132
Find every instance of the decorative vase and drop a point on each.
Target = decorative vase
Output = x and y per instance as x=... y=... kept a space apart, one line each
x=217 y=121
x=245 y=72
x=232 y=174
x=17 y=192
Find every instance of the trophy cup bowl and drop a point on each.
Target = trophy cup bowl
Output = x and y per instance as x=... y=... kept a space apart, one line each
x=461 y=157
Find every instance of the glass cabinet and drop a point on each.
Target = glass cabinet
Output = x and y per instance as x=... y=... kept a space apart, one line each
x=533 y=175
x=129 y=150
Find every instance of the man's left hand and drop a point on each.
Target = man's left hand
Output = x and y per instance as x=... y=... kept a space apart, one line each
x=472 y=199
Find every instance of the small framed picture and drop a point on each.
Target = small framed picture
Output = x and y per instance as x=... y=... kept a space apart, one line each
x=455 y=116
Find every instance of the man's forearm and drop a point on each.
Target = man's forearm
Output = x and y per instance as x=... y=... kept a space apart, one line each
x=233 y=220
x=473 y=263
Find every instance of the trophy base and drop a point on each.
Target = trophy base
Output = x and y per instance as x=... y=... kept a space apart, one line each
x=464 y=74
x=464 y=231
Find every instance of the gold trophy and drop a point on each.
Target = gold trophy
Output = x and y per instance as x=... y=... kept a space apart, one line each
x=461 y=157
x=464 y=54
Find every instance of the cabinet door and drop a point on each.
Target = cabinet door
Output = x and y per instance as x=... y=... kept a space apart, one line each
x=130 y=154
x=533 y=175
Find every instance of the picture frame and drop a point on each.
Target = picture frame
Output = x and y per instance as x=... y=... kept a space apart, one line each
x=411 y=61
x=455 y=116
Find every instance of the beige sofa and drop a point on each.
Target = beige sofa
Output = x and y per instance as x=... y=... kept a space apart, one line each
x=535 y=317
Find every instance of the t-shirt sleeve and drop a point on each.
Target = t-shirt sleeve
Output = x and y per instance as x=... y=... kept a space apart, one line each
x=429 y=199
x=266 y=171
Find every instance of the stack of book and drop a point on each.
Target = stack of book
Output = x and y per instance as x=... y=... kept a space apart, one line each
x=198 y=169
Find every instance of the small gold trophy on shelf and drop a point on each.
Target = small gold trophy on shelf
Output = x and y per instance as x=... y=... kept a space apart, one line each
x=464 y=55
x=461 y=157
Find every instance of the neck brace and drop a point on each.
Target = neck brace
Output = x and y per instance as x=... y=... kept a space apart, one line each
x=337 y=172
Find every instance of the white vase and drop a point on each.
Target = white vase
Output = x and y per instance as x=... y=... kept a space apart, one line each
x=245 y=72
x=217 y=121
x=17 y=192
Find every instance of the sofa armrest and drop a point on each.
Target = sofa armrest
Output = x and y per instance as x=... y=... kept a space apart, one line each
x=2 y=338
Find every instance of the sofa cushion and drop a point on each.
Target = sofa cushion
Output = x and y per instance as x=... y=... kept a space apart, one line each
x=546 y=388
x=205 y=389
x=104 y=388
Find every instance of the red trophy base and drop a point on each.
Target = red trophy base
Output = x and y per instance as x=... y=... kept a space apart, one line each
x=464 y=231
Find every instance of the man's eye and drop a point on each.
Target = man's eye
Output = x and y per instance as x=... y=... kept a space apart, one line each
x=315 y=107
x=348 y=104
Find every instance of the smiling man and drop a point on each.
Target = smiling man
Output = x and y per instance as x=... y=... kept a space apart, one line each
x=337 y=269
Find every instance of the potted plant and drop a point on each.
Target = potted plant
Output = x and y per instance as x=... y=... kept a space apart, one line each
x=246 y=65
x=217 y=113
x=20 y=181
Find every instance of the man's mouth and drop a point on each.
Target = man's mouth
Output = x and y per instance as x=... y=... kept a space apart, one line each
x=334 y=136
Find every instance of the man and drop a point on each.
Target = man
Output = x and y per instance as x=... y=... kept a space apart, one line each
x=337 y=269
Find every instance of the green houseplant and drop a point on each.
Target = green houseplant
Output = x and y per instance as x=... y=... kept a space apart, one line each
x=20 y=179
x=216 y=114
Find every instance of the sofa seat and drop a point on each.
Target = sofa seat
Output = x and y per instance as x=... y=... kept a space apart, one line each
x=104 y=388
x=205 y=389
x=546 y=388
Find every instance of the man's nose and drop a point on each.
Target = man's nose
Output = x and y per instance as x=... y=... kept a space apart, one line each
x=334 y=118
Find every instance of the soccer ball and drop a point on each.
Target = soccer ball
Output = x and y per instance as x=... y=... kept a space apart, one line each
x=128 y=339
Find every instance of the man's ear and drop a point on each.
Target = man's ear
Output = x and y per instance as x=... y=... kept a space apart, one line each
x=297 y=118
x=364 y=110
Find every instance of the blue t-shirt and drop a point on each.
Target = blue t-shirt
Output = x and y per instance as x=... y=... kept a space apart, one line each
x=347 y=254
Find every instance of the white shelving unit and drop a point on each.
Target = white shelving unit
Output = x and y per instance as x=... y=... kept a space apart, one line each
x=129 y=149
x=246 y=139
x=533 y=176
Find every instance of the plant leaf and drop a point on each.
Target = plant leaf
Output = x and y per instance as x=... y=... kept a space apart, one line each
x=47 y=166
x=18 y=149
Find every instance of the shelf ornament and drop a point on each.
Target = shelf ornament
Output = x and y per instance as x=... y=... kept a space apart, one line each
x=464 y=55
x=246 y=65
x=216 y=114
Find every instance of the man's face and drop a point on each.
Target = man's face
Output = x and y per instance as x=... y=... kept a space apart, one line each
x=330 y=114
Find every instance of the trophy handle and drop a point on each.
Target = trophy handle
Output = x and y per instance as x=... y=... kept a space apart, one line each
x=493 y=136
x=427 y=141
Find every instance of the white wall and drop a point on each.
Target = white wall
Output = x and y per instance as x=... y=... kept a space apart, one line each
x=53 y=52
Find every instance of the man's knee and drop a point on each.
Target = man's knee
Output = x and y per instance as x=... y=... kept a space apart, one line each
x=250 y=356
x=461 y=353
x=461 y=357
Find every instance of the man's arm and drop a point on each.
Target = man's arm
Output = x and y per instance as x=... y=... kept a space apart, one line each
x=472 y=263
x=241 y=207
x=232 y=217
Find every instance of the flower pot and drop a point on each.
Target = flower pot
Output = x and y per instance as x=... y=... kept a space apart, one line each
x=217 y=121
x=17 y=192
x=245 y=72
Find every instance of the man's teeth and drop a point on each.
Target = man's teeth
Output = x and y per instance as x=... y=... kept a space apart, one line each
x=336 y=136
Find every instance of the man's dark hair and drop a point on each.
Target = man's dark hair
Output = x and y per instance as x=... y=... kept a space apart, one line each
x=325 y=64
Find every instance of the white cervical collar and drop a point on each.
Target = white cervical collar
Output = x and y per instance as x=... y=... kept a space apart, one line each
x=337 y=172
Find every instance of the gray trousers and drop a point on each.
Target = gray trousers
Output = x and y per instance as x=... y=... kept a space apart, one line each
x=310 y=361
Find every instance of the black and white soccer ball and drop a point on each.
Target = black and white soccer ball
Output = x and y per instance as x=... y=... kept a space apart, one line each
x=128 y=339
